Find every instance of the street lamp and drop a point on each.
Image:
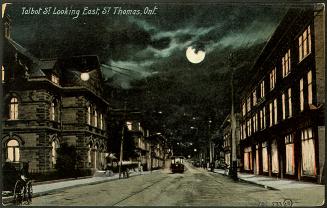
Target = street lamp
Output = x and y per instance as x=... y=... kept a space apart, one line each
x=85 y=76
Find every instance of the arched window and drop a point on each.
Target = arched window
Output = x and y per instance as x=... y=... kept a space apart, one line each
x=95 y=118
x=55 y=146
x=13 y=150
x=13 y=109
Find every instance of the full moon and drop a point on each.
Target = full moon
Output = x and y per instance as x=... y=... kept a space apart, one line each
x=194 y=57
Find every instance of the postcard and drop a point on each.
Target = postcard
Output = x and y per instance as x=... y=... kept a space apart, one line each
x=126 y=103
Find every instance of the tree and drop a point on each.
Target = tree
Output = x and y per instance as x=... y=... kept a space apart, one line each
x=67 y=160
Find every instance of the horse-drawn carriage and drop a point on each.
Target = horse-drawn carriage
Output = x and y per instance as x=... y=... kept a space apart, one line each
x=16 y=183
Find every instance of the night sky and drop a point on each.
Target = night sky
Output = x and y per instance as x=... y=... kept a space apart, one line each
x=151 y=49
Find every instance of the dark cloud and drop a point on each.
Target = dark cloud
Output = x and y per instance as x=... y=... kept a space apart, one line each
x=147 y=44
x=161 y=43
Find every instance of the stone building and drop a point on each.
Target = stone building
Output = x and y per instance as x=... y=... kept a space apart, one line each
x=282 y=125
x=46 y=104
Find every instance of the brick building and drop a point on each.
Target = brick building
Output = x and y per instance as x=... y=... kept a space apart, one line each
x=47 y=104
x=282 y=125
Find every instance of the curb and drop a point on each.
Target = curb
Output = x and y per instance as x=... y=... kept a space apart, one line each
x=254 y=183
x=60 y=180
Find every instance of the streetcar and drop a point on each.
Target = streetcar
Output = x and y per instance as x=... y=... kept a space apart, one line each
x=177 y=164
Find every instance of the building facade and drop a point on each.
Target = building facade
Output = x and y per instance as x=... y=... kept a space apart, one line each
x=282 y=127
x=47 y=104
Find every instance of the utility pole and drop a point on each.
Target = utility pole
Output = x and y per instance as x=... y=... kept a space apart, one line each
x=122 y=141
x=233 y=164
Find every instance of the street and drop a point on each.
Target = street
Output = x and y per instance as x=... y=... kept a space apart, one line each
x=195 y=187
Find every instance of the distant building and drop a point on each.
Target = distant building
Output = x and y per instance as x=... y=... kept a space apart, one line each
x=144 y=146
x=282 y=125
x=47 y=104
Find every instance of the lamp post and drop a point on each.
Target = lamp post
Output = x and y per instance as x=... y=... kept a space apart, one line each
x=233 y=158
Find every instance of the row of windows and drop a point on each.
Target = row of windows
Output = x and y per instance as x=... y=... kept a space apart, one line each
x=93 y=117
x=13 y=151
x=252 y=124
x=308 y=164
x=304 y=51
x=13 y=113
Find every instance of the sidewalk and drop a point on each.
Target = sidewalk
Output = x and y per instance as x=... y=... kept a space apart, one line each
x=271 y=182
x=42 y=189
x=53 y=186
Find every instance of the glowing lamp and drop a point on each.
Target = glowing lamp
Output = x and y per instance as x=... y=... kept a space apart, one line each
x=85 y=76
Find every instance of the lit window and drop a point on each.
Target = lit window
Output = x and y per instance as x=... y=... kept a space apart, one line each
x=254 y=97
x=13 y=109
x=256 y=121
x=262 y=89
x=249 y=104
x=55 y=79
x=270 y=114
x=13 y=150
x=244 y=130
x=95 y=118
x=289 y=102
x=261 y=119
x=275 y=111
x=274 y=157
x=309 y=87
x=89 y=115
x=264 y=157
x=272 y=78
x=289 y=154
x=241 y=132
x=3 y=74
x=253 y=118
x=283 y=106
x=305 y=44
x=286 y=63
x=101 y=124
x=301 y=95
x=308 y=153
x=52 y=111
x=55 y=146
x=243 y=109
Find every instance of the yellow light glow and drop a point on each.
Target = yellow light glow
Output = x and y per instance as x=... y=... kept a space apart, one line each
x=85 y=76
